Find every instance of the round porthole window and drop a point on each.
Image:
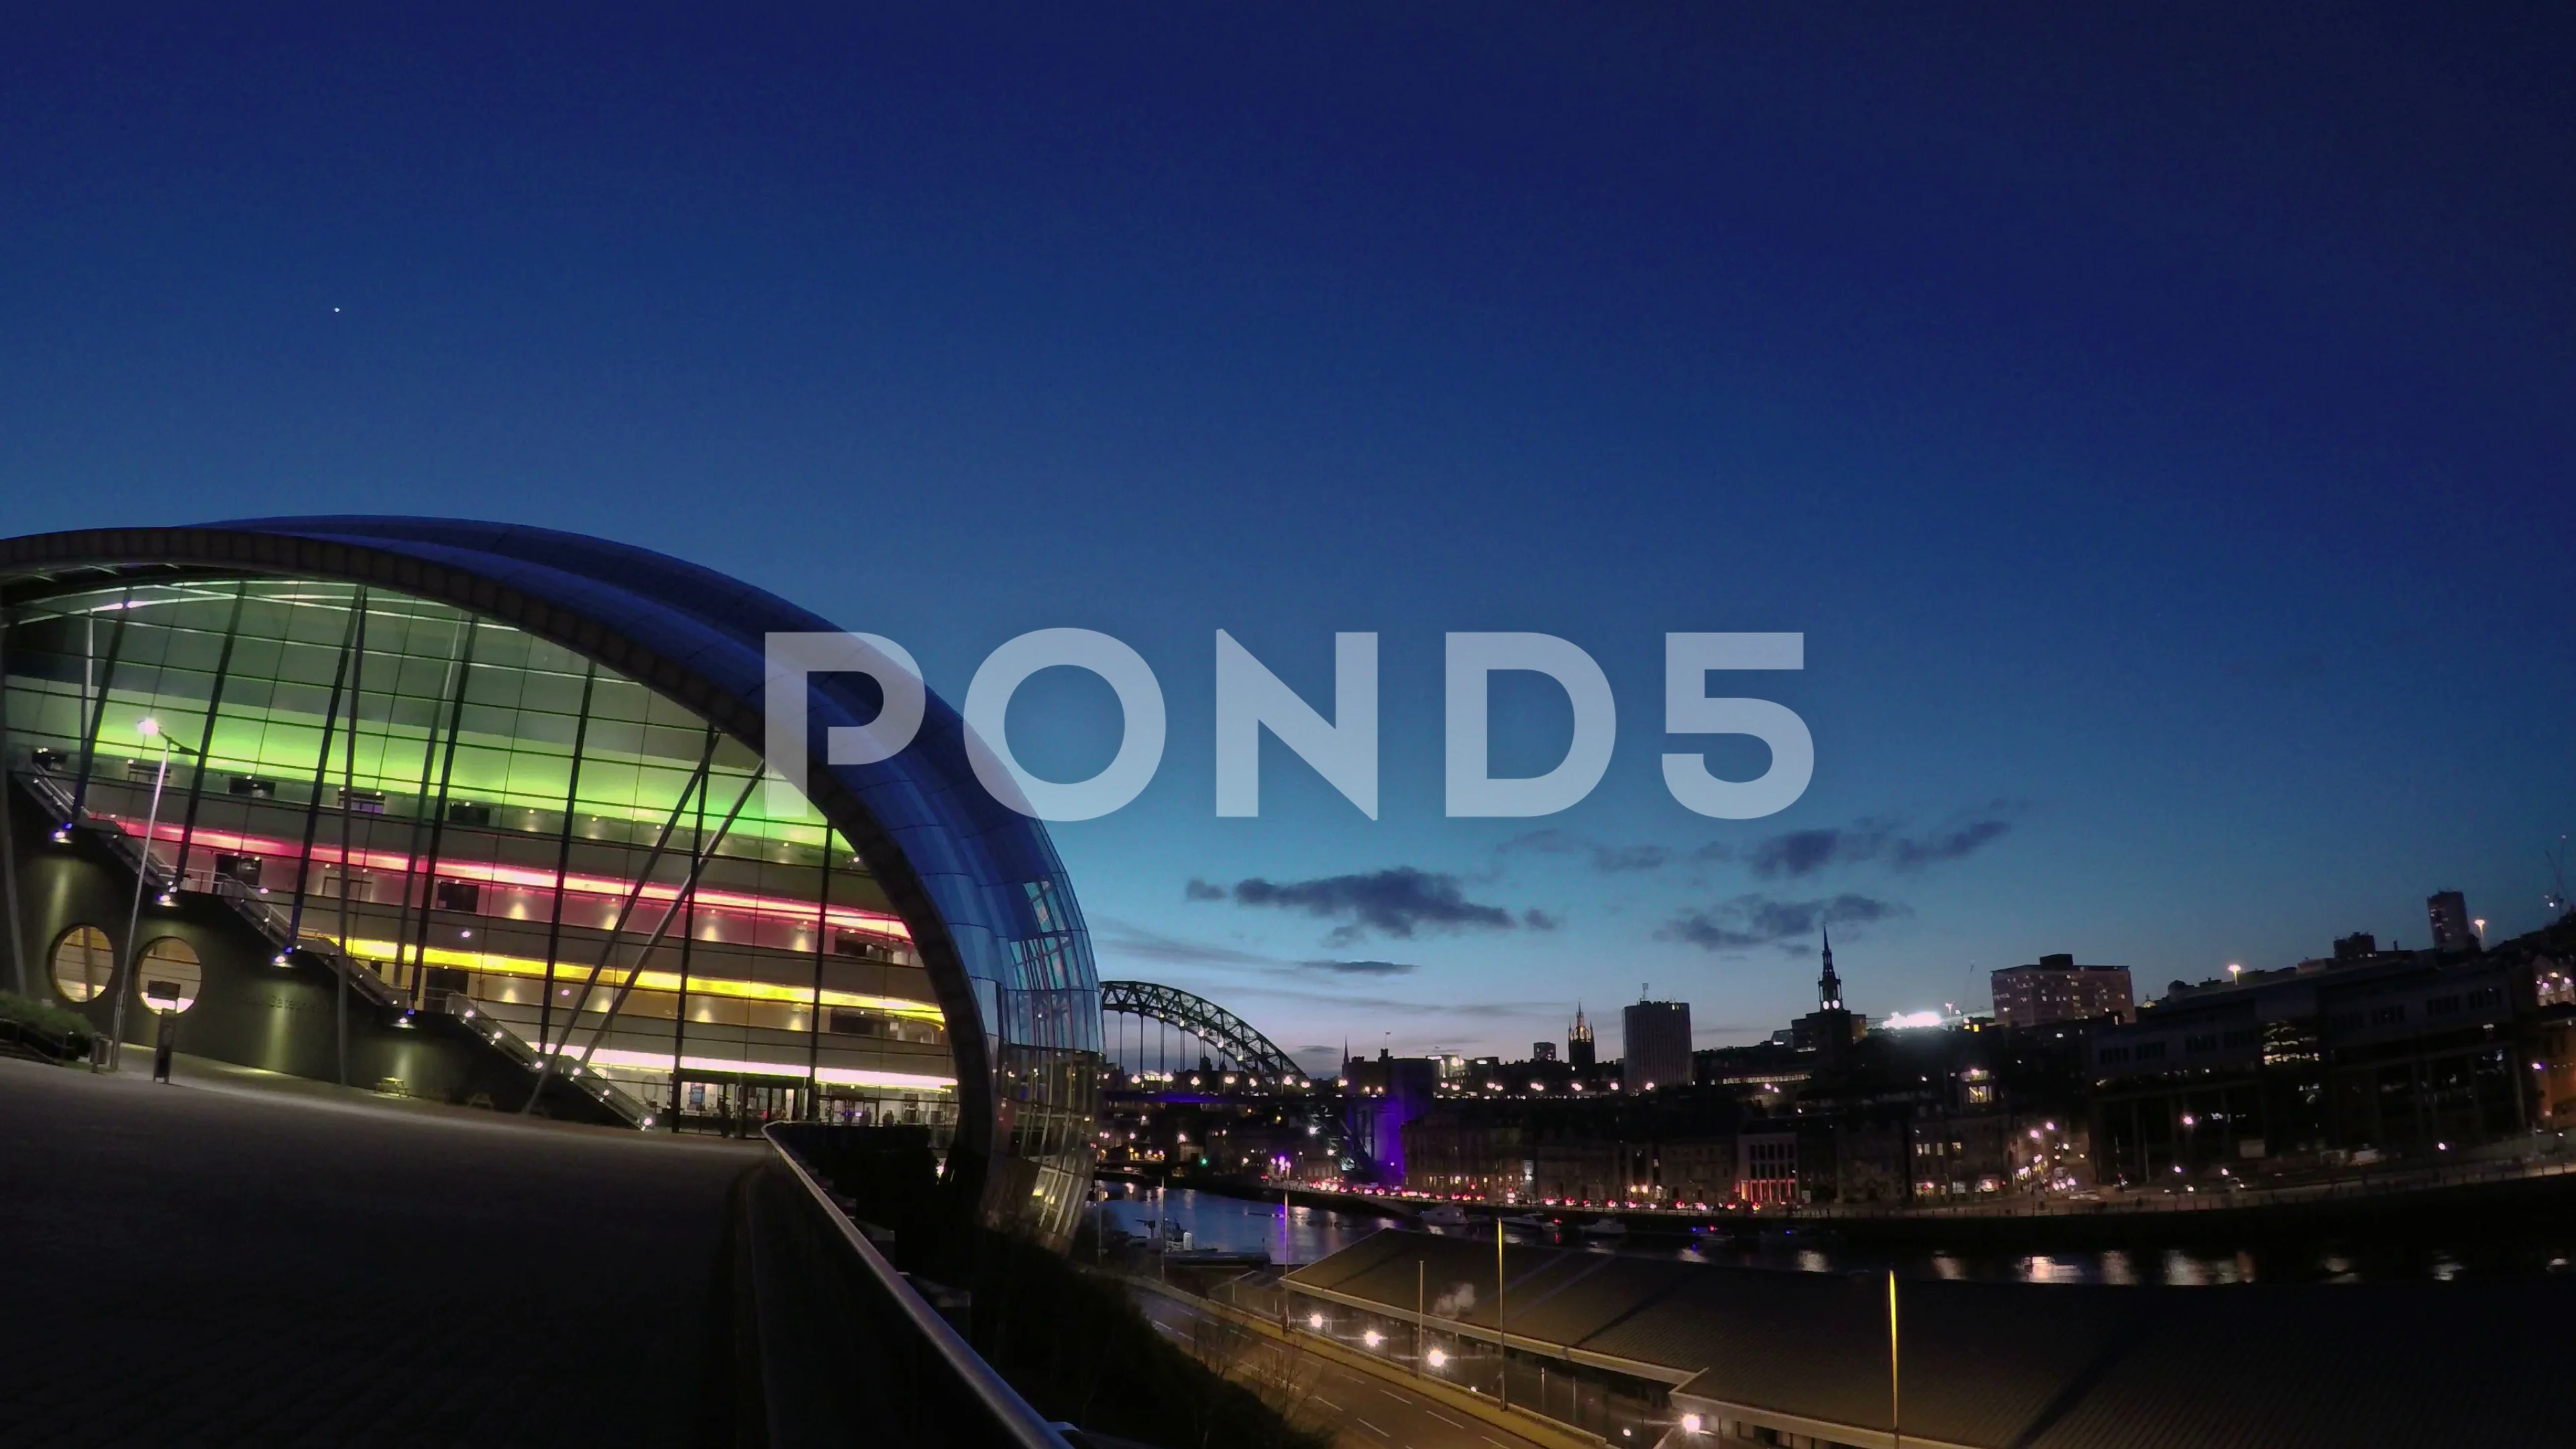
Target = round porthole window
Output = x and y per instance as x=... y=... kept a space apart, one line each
x=168 y=976
x=83 y=962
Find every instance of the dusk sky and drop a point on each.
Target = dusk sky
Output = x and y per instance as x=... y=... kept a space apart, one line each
x=2158 y=422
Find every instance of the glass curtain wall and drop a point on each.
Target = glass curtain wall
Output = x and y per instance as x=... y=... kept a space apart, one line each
x=471 y=811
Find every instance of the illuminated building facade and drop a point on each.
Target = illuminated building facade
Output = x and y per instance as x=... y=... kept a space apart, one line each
x=1657 y=1040
x=2056 y=989
x=479 y=814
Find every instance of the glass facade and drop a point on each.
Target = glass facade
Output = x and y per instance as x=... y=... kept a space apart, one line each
x=477 y=814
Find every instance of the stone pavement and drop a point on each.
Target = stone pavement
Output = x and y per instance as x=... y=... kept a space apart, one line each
x=224 y=1261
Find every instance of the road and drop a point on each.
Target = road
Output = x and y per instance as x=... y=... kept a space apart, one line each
x=202 y=1264
x=1372 y=1412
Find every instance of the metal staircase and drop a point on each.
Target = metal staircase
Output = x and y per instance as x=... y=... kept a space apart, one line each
x=276 y=927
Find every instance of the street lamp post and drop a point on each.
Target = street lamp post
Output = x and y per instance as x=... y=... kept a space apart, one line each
x=1502 y=1336
x=150 y=729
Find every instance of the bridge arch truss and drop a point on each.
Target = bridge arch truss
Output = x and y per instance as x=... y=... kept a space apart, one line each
x=1221 y=1029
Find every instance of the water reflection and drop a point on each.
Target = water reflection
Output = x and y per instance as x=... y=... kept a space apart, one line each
x=1303 y=1234
x=1289 y=1234
x=2041 y=1268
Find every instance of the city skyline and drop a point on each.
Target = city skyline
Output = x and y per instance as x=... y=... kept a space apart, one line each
x=2178 y=543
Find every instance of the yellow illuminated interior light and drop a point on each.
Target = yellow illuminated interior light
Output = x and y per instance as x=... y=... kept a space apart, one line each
x=492 y=963
x=829 y=1076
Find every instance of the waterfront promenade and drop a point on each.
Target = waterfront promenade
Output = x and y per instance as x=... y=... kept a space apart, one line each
x=218 y=1263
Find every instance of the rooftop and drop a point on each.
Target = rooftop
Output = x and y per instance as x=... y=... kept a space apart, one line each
x=2026 y=1365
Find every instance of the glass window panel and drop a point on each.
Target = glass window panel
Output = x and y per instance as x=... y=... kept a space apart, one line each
x=83 y=964
x=504 y=651
x=196 y=649
x=422 y=677
x=313 y=664
x=490 y=684
x=546 y=732
x=619 y=699
x=540 y=779
x=318 y=624
x=673 y=743
x=559 y=693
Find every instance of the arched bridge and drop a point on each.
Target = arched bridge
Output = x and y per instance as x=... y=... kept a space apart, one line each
x=1209 y=1022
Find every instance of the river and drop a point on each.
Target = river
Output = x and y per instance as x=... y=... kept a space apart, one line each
x=1303 y=1234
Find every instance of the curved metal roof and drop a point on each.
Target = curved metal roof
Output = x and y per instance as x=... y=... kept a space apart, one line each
x=974 y=878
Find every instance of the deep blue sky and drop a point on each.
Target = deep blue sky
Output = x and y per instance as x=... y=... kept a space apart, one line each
x=2159 y=423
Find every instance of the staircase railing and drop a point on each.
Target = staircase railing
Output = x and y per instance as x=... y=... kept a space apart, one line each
x=276 y=926
x=518 y=1049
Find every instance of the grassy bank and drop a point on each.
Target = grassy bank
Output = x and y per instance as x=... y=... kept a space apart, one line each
x=1071 y=1342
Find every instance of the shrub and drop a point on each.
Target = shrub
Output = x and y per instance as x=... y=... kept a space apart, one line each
x=46 y=1018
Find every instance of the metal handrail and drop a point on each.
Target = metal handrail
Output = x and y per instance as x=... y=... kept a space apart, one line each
x=517 y=1048
x=276 y=926
x=272 y=924
x=1004 y=1409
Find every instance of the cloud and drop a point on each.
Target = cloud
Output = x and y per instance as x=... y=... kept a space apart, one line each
x=1127 y=940
x=1607 y=859
x=1199 y=890
x=1613 y=859
x=1804 y=852
x=1362 y=968
x=1538 y=920
x=1396 y=903
x=1800 y=853
x=1759 y=920
x=1948 y=845
x=1387 y=1010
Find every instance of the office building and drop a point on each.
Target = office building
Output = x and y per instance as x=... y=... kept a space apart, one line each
x=2055 y=989
x=2448 y=913
x=1658 y=1043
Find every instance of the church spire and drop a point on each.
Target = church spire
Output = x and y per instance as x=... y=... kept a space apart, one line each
x=1829 y=988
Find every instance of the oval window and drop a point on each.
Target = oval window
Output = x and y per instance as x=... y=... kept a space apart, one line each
x=83 y=963
x=168 y=976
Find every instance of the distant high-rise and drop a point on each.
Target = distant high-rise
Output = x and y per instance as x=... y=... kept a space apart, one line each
x=2057 y=989
x=2449 y=913
x=1658 y=1043
x=1578 y=1042
x=2359 y=946
x=1542 y=1051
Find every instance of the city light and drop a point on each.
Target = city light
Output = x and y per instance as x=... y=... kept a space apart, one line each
x=1315 y=1321
x=1436 y=1358
x=1372 y=1338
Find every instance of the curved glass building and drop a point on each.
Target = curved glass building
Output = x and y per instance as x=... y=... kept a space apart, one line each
x=477 y=813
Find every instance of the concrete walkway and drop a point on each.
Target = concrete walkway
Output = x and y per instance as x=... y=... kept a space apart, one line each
x=228 y=1260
